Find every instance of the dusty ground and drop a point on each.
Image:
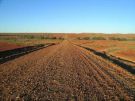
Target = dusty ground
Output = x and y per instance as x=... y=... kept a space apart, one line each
x=64 y=72
x=8 y=46
x=122 y=49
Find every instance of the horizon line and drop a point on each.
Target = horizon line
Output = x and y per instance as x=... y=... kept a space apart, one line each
x=62 y=33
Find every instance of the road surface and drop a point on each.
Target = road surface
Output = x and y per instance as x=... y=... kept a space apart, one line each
x=64 y=72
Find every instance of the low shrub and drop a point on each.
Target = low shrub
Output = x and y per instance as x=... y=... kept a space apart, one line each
x=86 y=38
x=28 y=36
x=98 y=38
x=119 y=39
x=78 y=38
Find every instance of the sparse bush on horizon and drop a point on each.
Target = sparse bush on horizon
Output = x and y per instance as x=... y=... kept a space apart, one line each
x=91 y=38
x=117 y=38
x=106 y=38
x=40 y=37
x=86 y=38
x=98 y=38
x=28 y=36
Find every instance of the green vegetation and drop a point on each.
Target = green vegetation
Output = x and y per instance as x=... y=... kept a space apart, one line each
x=119 y=39
x=98 y=38
x=28 y=36
x=8 y=39
x=86 y=38
x=40 y=37
x=29 y=39
x=91 y=38
x=106 y=38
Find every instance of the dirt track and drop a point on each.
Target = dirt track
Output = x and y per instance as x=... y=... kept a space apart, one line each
x=64 y=72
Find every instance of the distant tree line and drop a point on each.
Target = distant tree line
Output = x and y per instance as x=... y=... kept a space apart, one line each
x=106 y=38
x=40 y=37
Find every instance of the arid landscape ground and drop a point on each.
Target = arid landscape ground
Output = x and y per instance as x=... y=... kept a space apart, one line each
x=67 y=67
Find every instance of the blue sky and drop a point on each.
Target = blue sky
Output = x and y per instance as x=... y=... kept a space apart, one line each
x=108 y=16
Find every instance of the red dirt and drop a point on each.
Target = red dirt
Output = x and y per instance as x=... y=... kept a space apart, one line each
x=65 y=72
x=100 y=45
x=129 y=54
x=8 y=46
x=122 y=49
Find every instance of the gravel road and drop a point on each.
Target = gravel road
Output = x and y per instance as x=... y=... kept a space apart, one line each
x=64 y=72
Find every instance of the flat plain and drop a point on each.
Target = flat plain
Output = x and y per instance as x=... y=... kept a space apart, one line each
x=65 y=71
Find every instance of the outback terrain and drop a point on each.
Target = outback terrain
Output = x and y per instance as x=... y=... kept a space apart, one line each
x=65 y=71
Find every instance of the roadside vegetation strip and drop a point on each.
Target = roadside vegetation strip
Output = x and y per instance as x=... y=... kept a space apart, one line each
x=12 y=54
x=118 y=61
